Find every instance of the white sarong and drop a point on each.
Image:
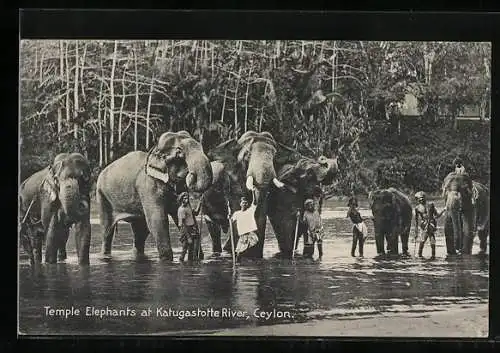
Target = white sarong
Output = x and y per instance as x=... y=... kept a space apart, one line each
x=362 y=229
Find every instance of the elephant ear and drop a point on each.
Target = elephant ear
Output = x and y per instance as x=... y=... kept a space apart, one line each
x=160 y=155
x=51 y=182
x=244 y=151
x=217 y=171
x=286 y=155
x=225 y=152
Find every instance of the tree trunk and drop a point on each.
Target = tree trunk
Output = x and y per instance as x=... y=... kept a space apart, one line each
x=246 y=99
x=136 y=100
x=223 y=106
x=120 y=116
x=99 y=118
x=75 y=92
x=112 y=103
x=151 y=91
x=236 y=102
x=81 y=72
x=68 y=113
x=41 y=65
x=334 y=59
x=61 y=74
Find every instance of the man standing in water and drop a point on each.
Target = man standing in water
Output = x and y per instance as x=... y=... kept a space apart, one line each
x=425 y=218
x=190 y=235
x=315 y=232
x=246 y=227
x=359 y=229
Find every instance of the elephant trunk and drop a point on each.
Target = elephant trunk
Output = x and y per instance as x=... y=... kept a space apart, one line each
x=72 y=204
x=454 y=212
x=200 y=176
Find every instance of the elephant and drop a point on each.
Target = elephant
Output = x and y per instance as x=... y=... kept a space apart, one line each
x=392 y=216
x=142 y=189
x=301 y=177
x=241 y=167
x=481 y=202
x=52 y=201
x=304 y=178
x=467 y=209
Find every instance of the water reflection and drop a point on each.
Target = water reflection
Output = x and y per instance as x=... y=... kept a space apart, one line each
x=340 y=286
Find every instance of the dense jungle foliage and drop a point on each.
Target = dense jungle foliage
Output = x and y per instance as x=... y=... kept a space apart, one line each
x=106 y=98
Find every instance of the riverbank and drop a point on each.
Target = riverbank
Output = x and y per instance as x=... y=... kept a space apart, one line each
x=463 y=323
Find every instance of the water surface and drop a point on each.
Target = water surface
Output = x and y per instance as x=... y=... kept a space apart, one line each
x=282 y=291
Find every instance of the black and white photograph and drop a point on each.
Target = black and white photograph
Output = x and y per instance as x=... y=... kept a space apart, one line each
x=210 y=187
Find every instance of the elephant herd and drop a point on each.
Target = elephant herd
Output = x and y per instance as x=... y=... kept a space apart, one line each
x=141 y=188
x=467 y=212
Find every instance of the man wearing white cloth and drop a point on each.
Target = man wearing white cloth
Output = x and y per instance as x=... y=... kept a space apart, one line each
x=246 y=227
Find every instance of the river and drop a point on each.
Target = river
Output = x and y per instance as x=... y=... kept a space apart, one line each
x=208 y=296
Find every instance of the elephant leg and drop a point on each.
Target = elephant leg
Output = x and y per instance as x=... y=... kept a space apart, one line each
x=37 y=239
x=404 y=241
x=54 y=231
x=215 y=234
x=61 y=251
x=157 y=222
x=106 y=218
x=379 y=243
x=27 y=245
x=83 y=234
x=459 y=234
x=468 y=238
x=141 y=232
x=483 y=236
x=388 y=243
x=449 y=236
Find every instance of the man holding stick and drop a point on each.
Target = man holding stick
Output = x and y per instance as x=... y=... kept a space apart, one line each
x=190 y=234
x=246 y=227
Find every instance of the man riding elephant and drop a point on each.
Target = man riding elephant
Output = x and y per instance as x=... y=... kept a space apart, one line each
x=52 y=201
x=392 y=215
x=142 y=189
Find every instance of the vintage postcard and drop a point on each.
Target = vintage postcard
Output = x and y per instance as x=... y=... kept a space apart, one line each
x=254 y=187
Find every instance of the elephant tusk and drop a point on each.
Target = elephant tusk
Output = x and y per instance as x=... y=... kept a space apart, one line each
x=190 y=179
x=278 y=183
x=249 y=184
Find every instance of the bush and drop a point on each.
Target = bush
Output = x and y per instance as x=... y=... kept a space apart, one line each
x=426 y=172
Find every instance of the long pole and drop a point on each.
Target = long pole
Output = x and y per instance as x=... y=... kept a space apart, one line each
x=199 y=230
x=231 y=235
x=296 y=233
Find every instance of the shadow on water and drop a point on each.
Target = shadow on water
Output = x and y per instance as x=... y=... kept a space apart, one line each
x=154 y=297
